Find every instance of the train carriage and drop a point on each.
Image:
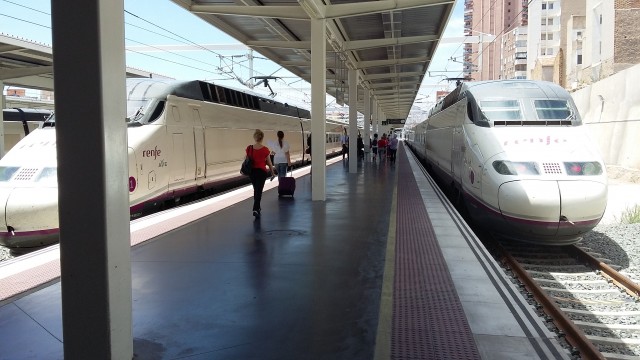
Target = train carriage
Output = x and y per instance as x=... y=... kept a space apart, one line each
x=183 y=137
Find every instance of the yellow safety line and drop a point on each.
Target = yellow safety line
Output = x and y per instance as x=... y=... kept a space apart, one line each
x=385 y=318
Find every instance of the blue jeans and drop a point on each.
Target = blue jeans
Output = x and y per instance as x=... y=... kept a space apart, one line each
x=281 y=168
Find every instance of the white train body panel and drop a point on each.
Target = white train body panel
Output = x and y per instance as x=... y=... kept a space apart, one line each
x=178 y=146
x=526 y=178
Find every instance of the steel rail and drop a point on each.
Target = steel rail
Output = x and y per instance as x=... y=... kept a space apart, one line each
x=631 y=287
x=574 y=335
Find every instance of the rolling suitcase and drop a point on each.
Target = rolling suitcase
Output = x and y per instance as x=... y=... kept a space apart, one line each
x=287 y=185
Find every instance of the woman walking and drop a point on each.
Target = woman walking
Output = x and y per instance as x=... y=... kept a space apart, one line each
x=259 y=155
x=281 y=156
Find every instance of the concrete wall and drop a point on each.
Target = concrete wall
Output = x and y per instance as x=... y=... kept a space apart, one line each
x=610 y=110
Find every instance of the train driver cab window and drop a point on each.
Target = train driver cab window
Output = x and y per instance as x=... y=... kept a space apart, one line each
x=501 y=111
x=143 y=111
x=48 y=175
x=6 y=172
x=553 y=109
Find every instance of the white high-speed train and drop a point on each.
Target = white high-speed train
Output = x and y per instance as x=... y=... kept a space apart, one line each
x=183 y=137
x=516 y=154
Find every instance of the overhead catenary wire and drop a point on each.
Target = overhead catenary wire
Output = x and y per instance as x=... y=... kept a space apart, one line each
x=176 y=37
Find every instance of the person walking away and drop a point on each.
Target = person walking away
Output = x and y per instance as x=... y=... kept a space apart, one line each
x=360 y=145
x=344 y=139
x=281 y=156
x=393 y=148
x=382 y=147
x=374 y=146
x=260 y=159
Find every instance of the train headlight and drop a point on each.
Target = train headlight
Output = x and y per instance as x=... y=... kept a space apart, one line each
x=505 y=167
x=583 y=168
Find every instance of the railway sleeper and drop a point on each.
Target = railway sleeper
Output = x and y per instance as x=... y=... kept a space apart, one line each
x=612 y=341
x=592 y=325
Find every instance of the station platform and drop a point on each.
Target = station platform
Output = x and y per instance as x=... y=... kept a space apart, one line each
x=383 y=269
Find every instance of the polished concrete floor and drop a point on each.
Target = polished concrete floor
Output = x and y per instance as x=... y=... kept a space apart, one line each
x=301 y=282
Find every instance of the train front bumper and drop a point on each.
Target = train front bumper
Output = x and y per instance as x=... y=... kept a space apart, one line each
x=29 y=217
x=554 y=212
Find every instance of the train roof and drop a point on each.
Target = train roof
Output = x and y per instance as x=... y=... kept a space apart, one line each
x=148 y=88
x=514 y=89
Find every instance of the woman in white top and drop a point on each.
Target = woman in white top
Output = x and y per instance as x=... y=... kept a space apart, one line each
x=281 y=157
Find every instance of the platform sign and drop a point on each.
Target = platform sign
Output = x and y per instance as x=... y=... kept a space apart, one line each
x=394 y=122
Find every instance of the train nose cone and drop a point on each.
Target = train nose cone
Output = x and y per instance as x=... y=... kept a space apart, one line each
x=29 y=217
x=554 y=211
x=5 y=232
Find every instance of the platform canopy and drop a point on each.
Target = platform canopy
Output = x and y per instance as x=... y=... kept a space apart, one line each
x=389 y=42
x=29 y=64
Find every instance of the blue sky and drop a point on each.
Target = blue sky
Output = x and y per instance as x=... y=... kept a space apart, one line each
x=170 y=24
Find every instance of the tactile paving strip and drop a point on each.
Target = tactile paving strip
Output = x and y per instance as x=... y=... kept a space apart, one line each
x=428 y=318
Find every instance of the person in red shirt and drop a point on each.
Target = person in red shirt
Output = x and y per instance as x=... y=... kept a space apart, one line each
x=382 y=147
x=260 y=159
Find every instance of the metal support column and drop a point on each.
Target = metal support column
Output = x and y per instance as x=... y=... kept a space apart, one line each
x=318 y=112
x=375 y=112
x=353 y=121
x=2 y=106
x=367 y=121
x=89 y=80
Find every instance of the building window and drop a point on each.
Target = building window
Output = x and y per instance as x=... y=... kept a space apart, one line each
x=579 y=59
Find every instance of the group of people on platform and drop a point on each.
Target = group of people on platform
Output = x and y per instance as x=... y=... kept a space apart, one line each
x=277 y=158
x=385 y=147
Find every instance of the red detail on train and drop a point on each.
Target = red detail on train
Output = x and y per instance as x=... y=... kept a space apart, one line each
x=132 y=183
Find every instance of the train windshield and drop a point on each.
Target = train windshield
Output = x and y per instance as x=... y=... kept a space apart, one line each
x=501 y=109
x=143 y=110
x=6 y=172
x=552 y=109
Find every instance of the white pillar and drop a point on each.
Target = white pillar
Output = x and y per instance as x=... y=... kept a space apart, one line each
x=375 y=112
x=318 y=112
x=353 y=121
x=367 y=120
x=2 y=106
x=89 y=80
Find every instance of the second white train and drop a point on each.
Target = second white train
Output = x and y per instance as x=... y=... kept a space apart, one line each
x=516 y=154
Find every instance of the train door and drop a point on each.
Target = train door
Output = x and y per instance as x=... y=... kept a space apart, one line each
x=198 y=140
x=457 y=143
x=178 y=165
x=180 y=130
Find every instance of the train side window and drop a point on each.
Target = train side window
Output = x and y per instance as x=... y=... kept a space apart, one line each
x=204 y=88
x=470 y=111
x=213 y=92
x=222 y=94
x=227 y=96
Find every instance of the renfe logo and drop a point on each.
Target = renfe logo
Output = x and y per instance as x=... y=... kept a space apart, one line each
x=151 y=153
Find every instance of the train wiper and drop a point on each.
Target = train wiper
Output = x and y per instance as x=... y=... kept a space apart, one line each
x=137 y=116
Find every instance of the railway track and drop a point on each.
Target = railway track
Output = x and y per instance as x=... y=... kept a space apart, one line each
x=593 y=305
